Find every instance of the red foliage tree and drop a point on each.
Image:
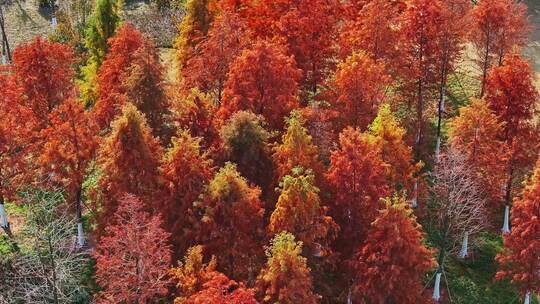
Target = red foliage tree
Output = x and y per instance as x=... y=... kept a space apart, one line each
x=208 y=69
x=498 y=27
x=475 y=134
x=306 y=27
x=520 y=260
x=200 y=283
x=122 y=47
x=262 y=80
x=221 y=289
x=360 y=85
x=69 y=145
x=358 y=177
x=185 y=171
x=43 y=70
x=14 y=138
x=129 y=159
x=131 y=72
x=231 y=222
x=194 y=111
x=391 y=265
x=423 y=24
x=373 y=26
x=133 y=258
x=512 y=96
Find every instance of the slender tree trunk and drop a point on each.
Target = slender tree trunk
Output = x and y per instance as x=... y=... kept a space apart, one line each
x=442 y=93
x=78 y=210
x=53 y=271
x=485 y=68
x=5 y=42
x=419 y=117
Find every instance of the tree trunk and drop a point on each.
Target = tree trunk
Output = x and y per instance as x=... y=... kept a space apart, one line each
x=78 y=208
x=5 y=42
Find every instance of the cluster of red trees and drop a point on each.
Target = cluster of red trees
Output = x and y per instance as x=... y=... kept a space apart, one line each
x=305 y=125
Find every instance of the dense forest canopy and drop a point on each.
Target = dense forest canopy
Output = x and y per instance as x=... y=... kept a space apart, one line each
x=285 y=151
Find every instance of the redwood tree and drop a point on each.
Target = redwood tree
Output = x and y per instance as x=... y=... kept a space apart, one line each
x=69 y=145
x=296 y=149
x=185 y=171
x=373 y=26
x=14 y=139
x=498 y=27
x=286 y=277
x=231 y=222
x=245 y=142
x=129 y=159
x=391 y=264
x=389 y=135
x=43 y=70
x=208 y=69
x=520 y=260
x=512 y=96
x=358 y=177
x=422 y=27
x=360 y=84
x=133 y=258
x=299 y=211
x=122 y=47
x=305 y=27
x=474 y=132
x=262 y=80
x=200 y=283
x=131 y=72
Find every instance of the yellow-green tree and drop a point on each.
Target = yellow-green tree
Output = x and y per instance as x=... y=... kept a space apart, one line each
x=286 y=277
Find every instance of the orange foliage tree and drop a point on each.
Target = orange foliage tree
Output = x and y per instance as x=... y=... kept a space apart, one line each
x=391 y=265
x=185 y=171
x=133 y=258
x=262 y=80
x=305 y=27
x=14 y=138
x=129 y=159
x=357 y=175
x=512 y=96
x=43 y=70
x=131 y=72
x=360 y=84
x=498 y=27
x=122 y=47
x=286 y=277
x=373 y=26
x=299 y=211
x=208 y=69
x=200 y=283
x=69 y=145
x=194 y=111
x=474 y=133
x=231 y=222
x=520 y=260
x=422 y=27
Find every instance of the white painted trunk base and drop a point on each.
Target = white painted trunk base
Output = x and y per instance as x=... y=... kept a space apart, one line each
x=465 y=246
x=80 y=234
x=437 y=288
x=527 y=298
x=3 y=216
x=506 y=225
